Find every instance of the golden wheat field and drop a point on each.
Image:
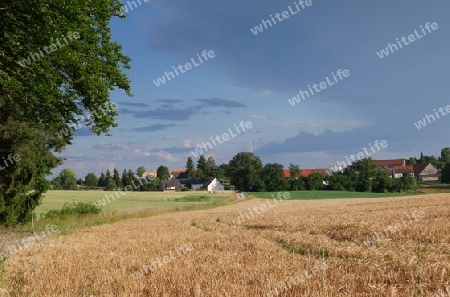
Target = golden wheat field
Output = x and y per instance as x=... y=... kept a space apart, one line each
x=293 y=248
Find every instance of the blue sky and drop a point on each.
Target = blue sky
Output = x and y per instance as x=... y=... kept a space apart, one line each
x=251 y=78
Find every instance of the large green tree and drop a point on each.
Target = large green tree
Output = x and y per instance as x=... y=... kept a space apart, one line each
x=66 y=180
x=91 y=180
x=295 y=180
x=58 y=66
x=445 y=155
x=110 y=184
x=408 y=182
x=294 y=171
x=211 y=168
x=382 y=182
x=273 y=177
x=202 y=168
x=140 y=171
x=246 y=172
x=314 y=182
x=366 y=169
x=445 y=174
x=116 y=178
x=102 y=180
x=23 y=182
x=422 y=158
x=124 y=178
x=190 y=169
x=163 y=173
x=337 y=181
x=411 y=161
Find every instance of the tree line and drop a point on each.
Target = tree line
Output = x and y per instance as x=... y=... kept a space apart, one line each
x=204 y=170
x=246 y=172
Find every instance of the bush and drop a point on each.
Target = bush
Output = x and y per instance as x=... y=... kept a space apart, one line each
x=74 y=209
x=194 y=198
x=445 y=173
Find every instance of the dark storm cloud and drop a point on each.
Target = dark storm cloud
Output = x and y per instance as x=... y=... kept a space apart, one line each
x=215 y=102
x=153 y=128
x=170 y=101
x=183 y=110
x=171 y=114
x=134 y=104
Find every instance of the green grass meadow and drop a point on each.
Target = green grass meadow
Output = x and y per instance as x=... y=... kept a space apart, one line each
x=144 y=204
x=129 y=206
x=129 y=201
x=430 y=187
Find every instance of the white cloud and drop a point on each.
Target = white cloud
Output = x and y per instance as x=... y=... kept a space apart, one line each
x=319 y=127
x=114 y=146
x=264 y=93
x=187 y=143
x=258 y=116
x=142 y=153
x=166 y=156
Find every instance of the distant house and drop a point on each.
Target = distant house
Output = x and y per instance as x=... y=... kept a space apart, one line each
x=390 y=164
x=287 y=173
x=172 y=185
x=176 y=173
x=150 y=174
x=426 y=172
x=398 y=171
x=214 y=185
x=307 y=172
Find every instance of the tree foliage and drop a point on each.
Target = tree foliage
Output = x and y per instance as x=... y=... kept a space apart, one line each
x=22 y=183
x=66 y=180
x=445 y=174
x=246 y=172
x=366 y=169
x=163 y=173
x=364 y=176
x=315 y=182
x=294 y=171
x=140 y=171
x=91 y=180
x=43 y=90
x=190 y=169
x=102 y=180
x=202 y=168
x=116 y=178
x=273 y=178
x=211 y=168
x=445 y=155
x=382 y=182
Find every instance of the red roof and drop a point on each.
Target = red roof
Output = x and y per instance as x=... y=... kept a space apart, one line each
x=403 y=169
x=394 y=162
x=307 y=172
x=287 y=173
